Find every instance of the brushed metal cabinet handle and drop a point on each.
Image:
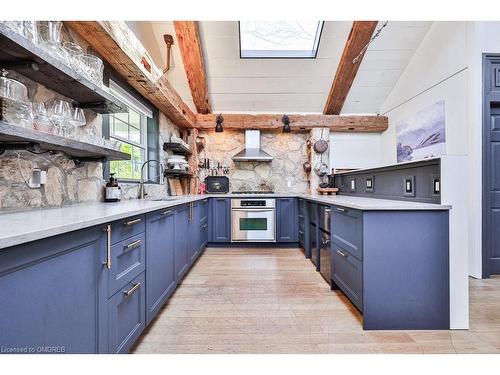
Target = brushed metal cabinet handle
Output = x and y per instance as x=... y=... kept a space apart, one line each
x=301 y=216
x=328 y=210
x=132 y=290
x=341 y=254
x=301 y=232
x=134 y=244
x=163 y=213
x=204 y=226
x=340 y=209
x=108 y=246
x=132 y=222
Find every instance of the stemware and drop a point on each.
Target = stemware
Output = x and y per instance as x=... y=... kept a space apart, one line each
x=49 y=38
x=41 y=119
x=59 y=112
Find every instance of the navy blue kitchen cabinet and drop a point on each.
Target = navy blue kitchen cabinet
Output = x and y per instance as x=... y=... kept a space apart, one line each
x=286 y=220
x=182 y=216
x=126 y=312
x=160 y=259
x=193 y=229
x=393 y=266
x=54 y=294
x=220 y=220
x=198 y=229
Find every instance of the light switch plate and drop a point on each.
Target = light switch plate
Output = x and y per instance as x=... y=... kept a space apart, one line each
x=409 y=186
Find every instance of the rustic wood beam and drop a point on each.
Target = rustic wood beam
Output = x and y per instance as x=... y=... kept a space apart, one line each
x=359 y=36
x=336 y=123
x=119 y=46
x=192 y=56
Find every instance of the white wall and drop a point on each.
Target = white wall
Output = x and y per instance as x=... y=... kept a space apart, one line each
x=353 y=151
x=439 y=71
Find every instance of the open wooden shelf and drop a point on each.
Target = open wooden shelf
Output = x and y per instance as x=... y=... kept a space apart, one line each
x=176 y=148
x=21 y=55
x=17 y=137
x=177 y=173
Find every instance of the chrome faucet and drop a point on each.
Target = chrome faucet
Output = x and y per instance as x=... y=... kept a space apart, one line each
x=142 y=194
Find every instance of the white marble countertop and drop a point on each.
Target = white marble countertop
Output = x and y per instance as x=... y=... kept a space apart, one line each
x=30 y=225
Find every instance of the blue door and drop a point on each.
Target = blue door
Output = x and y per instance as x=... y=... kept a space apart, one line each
x=287 y=220
x=220 y=220
x=160 y=259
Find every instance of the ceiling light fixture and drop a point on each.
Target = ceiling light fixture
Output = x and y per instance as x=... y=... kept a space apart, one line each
x=286 y=122
x=218 y=123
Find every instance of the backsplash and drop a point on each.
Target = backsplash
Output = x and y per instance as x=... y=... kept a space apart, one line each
x=66 y=183
x=288 y=149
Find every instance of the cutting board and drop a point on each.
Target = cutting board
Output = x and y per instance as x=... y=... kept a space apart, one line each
x=175 y=186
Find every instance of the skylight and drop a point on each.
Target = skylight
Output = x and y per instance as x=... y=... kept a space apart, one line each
x=279 y=39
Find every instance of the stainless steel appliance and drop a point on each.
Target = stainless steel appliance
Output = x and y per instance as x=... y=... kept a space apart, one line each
x=324 y=243
x=253 y=220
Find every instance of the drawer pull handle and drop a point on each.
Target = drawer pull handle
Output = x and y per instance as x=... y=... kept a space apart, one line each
x=108 y=246
x=163 y=213
x=132 y=290
x=328 y=210
x=341 y=254
x=340 y=209
x=132 y=222
x=204 y=226
x=301 y=216
x=134 y=244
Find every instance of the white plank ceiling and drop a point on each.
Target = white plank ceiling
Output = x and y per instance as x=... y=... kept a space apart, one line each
x=287 y=85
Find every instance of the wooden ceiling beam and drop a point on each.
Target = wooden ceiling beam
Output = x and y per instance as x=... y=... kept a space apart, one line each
x=336 y=123
x=119 y=46
x=359 y=37
x=194 y=65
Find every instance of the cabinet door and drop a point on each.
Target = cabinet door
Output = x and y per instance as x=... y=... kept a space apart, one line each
x=53 y=294
x=220 y=220
x=127 y=315
x=194 y=226
x=287 y=220
x=181 y=240
x=160 y=261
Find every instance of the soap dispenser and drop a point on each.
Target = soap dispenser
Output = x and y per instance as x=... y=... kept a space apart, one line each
x=113 y=191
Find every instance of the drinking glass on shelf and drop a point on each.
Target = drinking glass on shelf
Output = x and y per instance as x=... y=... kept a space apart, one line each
x=49 y=33
x=49 y=38
x=41 y=119
x=59 y=112
x=93 y=68
x=30 y=31
x=74 y=54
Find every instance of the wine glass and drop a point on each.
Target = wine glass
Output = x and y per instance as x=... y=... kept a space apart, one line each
x=59 y=112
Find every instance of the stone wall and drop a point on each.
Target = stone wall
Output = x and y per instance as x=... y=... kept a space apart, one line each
x=289 y=152
x=66 y=183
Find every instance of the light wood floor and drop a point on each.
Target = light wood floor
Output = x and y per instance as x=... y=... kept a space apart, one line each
x=273 y=301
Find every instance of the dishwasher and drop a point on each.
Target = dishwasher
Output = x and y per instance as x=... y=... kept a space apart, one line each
x=324 y=243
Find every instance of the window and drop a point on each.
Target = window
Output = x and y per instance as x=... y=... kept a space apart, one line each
x=279 y=39
x=136 y=134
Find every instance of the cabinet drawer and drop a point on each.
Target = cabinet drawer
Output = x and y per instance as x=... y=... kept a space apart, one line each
x=125 y=228
x=126 y=313
x=347 y=230
x=347 y=273
x=128 y=259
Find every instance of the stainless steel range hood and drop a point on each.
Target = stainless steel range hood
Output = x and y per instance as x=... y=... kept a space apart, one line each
x=252 y=150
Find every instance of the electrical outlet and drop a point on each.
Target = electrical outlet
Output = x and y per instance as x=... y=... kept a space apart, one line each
x=289 y=184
